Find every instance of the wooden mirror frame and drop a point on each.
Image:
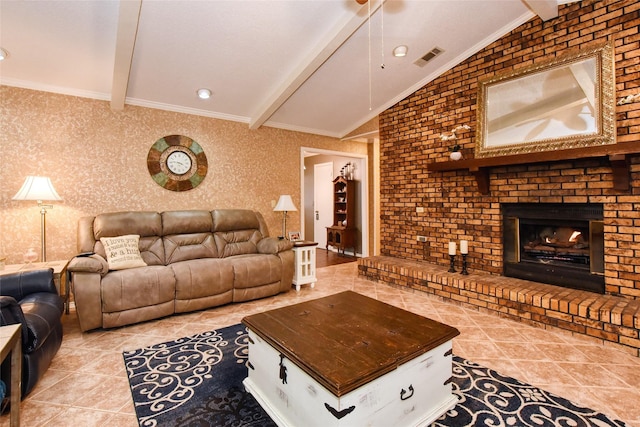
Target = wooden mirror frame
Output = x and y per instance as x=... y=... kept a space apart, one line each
x=516 y=113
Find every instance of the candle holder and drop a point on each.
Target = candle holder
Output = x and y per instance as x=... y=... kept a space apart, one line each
x=464 y=265
x=452 y=262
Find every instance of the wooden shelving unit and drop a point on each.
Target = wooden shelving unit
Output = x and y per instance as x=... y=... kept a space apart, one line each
x=342 y=234
x=618 y=155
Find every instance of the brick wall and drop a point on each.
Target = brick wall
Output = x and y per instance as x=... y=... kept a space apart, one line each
x=453 y=208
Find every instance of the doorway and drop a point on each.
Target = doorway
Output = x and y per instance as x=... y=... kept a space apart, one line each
x=309 y=157
x=322 y=201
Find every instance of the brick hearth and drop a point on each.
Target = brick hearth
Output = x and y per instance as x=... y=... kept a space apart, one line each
x=610 y=318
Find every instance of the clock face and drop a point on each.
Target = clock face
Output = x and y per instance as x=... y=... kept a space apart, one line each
x=179 y=163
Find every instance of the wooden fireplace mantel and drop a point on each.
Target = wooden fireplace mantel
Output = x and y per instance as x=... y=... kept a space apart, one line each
x=618 y=155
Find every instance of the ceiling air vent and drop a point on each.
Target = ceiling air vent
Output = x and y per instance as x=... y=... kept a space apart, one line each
x=421 y=62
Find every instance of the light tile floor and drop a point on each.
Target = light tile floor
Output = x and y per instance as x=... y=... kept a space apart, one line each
x=86 y=384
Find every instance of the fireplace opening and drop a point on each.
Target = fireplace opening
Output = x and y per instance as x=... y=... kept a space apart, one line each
x=559 y=244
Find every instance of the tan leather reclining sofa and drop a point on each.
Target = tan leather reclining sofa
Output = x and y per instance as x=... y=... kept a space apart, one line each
x=195 y=260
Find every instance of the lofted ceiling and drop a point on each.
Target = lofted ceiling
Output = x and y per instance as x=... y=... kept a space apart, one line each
x=316 y=66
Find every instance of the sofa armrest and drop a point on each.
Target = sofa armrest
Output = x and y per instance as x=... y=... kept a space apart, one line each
x=38 y=313
x=273 y=245
x=85 y=275
x=23 y=283
x=11 y=314
x=88 y=264
x=42 y=313
x=20 y=291
x=288 y=267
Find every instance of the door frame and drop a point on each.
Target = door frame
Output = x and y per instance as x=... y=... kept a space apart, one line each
x=329 y=185
x=364 y=197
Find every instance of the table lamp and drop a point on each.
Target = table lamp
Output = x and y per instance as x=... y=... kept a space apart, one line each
x=39 y=188
x=284 y=205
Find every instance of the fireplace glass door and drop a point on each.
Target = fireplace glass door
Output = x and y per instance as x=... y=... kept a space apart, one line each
x=556 y=244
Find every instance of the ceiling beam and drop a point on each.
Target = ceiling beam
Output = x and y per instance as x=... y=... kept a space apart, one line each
x=545 y=9
x=128 y=18
x=339 y=34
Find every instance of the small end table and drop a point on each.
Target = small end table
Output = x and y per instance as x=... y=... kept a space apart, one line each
x=305 y=261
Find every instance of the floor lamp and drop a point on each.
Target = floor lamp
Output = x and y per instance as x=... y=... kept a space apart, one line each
x=39 y=188
x=284 y=205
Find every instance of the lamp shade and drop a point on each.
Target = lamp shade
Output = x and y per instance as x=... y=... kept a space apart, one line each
x=285 y=204
x=37 y=188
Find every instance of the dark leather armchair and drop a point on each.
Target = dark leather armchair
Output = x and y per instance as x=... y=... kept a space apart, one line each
x=31 y=299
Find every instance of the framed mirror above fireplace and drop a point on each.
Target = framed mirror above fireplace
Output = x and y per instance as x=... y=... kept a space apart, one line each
x=558 y=244
x=562 y=103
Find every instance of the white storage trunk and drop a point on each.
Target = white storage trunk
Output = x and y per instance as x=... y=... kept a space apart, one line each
x=414 y=394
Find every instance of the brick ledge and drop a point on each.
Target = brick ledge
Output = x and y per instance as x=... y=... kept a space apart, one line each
x=607 y=317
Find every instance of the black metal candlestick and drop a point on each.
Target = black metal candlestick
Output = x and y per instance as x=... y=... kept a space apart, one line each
x=464 y=265
x=452 y=262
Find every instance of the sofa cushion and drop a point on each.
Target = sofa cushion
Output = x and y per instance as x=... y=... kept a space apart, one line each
x=152 y=250
x=148 y=225
x=186 y=222
x=182 y=247
x=255 y=270
x=123 y=252
x=234 y=219
x=120 y=223
x=137 y=287
x=241 y=242
x=201 y=278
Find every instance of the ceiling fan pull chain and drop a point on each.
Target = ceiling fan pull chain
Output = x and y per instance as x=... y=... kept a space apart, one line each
x=382 y=33
x=369 y=51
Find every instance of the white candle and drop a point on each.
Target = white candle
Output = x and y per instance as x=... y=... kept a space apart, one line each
x=452 y=248
x=464 y=247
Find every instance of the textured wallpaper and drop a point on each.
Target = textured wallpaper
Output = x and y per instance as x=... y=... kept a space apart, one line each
x=96 y=159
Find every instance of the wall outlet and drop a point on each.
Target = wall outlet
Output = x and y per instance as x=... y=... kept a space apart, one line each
x=419 y=209
x=421 y=238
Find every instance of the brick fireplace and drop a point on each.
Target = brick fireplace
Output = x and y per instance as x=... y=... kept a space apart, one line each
x=447 y=206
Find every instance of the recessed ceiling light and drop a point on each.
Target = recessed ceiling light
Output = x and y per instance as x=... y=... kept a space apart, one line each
x=3 y=54
x=204 y=93
x=400 y=51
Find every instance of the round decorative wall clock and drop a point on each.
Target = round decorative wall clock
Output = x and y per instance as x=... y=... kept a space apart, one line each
x=177 y=163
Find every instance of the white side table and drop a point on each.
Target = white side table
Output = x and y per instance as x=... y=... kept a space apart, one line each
x=305 y=261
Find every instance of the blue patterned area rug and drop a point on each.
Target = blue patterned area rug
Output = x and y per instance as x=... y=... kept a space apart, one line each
x=197 y=381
